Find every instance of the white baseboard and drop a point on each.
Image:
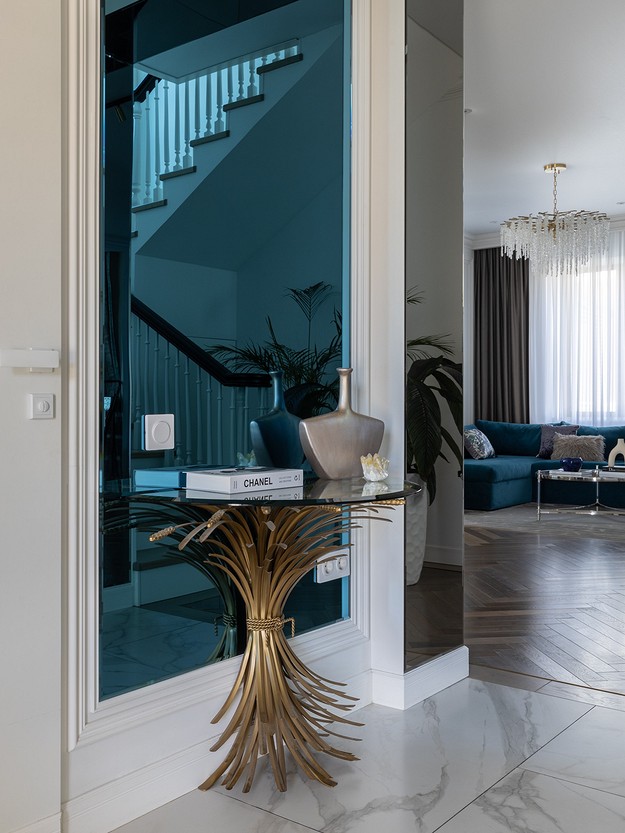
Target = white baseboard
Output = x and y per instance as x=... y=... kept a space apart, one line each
x=120 y=801
x=401 y=691
x=135 y=794
x=51 y=824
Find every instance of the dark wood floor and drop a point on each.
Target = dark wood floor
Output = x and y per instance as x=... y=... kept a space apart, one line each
x=546 y=606
x=433 y=615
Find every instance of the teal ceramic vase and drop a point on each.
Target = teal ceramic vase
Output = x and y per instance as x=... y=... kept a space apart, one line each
x=275 y=436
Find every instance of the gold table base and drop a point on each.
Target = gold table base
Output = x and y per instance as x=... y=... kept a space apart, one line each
x=265 y=550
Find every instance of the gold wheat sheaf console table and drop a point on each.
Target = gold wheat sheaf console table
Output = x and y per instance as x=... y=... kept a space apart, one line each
x=265 y=545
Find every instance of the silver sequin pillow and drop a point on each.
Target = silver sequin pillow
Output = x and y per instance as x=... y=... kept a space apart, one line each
x=477 y=444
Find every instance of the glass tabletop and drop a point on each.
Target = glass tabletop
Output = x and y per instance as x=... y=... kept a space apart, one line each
x=593 y=475
x=313 y=492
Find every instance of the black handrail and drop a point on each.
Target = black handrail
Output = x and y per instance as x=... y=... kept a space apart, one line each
x=190 y=349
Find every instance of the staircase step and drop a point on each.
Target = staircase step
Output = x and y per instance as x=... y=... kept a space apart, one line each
x=292 y=59
x=148 y=206
x=234 y=105
x=214 y=137
x=182 y=172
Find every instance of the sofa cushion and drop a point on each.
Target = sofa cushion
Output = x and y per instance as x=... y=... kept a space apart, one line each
x=498 y=469
x=611 y=433
x=546 y=438
x=511 y=437
x=477 y=444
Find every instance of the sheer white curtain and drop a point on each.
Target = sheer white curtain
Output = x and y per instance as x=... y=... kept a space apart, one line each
x=577 y=341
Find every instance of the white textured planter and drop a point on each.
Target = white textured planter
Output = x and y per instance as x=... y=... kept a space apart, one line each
x=416 y=514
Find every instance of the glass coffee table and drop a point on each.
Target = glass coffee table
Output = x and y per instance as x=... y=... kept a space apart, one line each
x=599 y=476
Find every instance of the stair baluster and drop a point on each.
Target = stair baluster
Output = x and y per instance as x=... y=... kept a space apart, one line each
x=155 y=373
x=146 y=370
x=198 y=416
x=136 y=432
x=252 y=88
x=157 y=191
x=187 y=160
x=209 y=105
x=196 y=98
x=241 y=81
x=177 y=165
x=148 y=157
x=136 y=153
x=188 y=457
x=209 y=420
x=220 y=423
x=230 y=77
x=166 y=128
x=219 y=124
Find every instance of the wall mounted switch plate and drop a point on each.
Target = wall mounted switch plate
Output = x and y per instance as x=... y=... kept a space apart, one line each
x=158 y=432
x=40 y=406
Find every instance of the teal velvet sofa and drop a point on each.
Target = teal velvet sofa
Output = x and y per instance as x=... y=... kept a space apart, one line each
x=509 y=478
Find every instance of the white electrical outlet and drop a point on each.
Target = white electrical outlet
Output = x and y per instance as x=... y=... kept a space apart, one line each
x=336 y=567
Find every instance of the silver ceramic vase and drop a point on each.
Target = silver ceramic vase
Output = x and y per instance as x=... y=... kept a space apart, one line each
x=333 y=443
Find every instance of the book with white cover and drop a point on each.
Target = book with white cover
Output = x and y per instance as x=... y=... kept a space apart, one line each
x=235 y=480
x=286 y=495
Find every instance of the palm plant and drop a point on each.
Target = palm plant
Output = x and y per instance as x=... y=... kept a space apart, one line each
x=304 y=369
x=431 y=380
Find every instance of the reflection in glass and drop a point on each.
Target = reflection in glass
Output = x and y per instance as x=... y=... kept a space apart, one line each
x=434 y=262
x=226 y=170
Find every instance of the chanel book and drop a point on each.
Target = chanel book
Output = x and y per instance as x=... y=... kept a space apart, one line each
x=237 y=480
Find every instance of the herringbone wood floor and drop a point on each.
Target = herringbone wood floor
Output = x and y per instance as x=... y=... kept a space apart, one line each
x=547 y=606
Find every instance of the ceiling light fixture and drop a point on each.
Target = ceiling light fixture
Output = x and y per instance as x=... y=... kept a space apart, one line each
x=558 y=242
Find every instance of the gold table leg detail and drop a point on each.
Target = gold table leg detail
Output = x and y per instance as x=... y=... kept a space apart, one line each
x=282 y=703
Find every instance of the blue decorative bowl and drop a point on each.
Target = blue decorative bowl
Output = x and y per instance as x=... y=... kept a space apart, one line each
x=571 y=463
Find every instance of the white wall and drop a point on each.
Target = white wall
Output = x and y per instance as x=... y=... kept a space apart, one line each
x=434 y=242
x=30 y=496
x=305 y=251
x=197 y=300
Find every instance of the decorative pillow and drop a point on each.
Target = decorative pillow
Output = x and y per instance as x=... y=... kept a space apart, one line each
x=588 y=448
x=546 y=437
x=477 y=444
x=516 y=438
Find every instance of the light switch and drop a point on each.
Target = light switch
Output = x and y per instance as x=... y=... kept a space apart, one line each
x=158 y=432
x=40 y=406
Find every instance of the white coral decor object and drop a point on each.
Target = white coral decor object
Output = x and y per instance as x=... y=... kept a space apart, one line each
x=374 y=467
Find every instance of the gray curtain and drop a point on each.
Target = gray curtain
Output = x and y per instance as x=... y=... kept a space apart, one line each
x=501 y=335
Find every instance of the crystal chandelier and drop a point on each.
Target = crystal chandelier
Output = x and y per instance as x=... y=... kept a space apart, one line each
x=559 y=242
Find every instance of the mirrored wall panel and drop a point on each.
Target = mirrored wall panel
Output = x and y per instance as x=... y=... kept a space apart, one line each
x=434 y=266
x=225 y=236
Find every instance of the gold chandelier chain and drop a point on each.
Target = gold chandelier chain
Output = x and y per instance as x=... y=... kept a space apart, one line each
x=555 y=191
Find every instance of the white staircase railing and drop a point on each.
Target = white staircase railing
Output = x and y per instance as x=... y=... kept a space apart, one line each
x=170 y=118
x=211 y=418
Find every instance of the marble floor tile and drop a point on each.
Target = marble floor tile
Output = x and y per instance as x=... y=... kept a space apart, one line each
x=509 y=678
x=525 y=802
x=198 y=812
x=607 y=699
x=590 y=752
x=421 y=766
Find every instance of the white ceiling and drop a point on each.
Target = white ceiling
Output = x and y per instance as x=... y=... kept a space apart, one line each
x=545 y=81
